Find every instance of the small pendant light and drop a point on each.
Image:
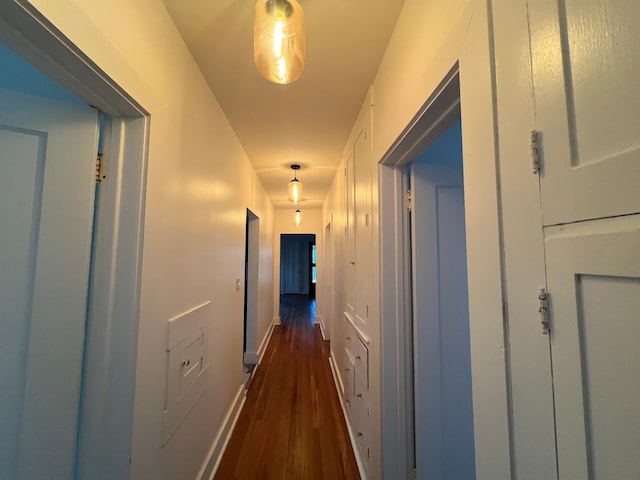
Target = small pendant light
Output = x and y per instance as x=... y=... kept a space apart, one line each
x=278 y=40
x=297 y=217
x=295 y=186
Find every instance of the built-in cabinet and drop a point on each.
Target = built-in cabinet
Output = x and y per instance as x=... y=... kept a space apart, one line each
x=354 y=370
x=571 y=227
x=351 y=342
x=589 y=118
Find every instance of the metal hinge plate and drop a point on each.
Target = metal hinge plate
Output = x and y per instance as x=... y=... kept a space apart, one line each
x=101 y=172
x=543 y=309
x=409 y=200
x=535 y=152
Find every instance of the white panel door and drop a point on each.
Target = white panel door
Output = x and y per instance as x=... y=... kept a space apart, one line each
x=350 y=284
x=442 y=364
x=593 y=273
x=363 y=229
x=47 y=160
x=586 y=70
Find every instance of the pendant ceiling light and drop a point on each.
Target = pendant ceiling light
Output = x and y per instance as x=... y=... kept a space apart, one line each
x=297 y=217
x=278 y=40
x=295 y=186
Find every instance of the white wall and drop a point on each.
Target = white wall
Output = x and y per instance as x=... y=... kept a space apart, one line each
x=311 y=224
x=424 y=46
x=195 y=219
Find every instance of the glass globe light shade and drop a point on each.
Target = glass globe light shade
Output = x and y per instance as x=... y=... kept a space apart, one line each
x=295 y=190
x=278 y=40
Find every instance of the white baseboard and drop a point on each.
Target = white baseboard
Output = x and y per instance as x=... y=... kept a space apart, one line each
x=319 y=319
x=336 y=378
x=254 y=358
x=222 y=439
x=354 y=443
x=276 y=320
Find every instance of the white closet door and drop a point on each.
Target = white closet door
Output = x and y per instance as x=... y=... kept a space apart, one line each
x=350 y=284
x=363 y=229
x=586 y=69
x=593 y=273
x=47 y=164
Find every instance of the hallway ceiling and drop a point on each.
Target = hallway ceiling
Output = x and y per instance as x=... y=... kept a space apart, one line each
x=308 y=121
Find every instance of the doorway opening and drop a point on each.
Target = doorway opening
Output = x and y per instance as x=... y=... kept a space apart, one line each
x=252 y=255
x=439 y=361
x=298 y=269
x=328 y=306
x=426 y=357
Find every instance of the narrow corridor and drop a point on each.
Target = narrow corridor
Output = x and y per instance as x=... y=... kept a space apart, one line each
x=292 y=425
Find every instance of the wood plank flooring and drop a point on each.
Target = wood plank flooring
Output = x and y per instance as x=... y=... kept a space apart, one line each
x=292 y=425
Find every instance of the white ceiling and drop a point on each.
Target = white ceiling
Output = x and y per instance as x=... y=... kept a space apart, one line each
x=308 y=121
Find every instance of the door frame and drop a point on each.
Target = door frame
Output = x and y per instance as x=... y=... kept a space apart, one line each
x=491 y=397
x=328 y=301
x=436 y=116
x=111 y=341
x=252 y=258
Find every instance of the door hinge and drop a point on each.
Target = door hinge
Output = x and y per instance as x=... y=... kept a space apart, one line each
x=535 y=152
x=100 y=168
x=409 y=200
x=367 y=311
x=543 y=309
x=414 y=474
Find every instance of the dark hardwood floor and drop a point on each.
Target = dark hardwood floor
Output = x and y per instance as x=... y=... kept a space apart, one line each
x=291 y=426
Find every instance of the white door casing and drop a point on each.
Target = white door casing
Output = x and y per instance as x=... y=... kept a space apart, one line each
x=528 y=368
x=250 y=354
x=47 y=163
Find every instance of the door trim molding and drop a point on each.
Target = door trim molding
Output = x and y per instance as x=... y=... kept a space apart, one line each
x=438 y=113
x=111 y=345
x=457 y=94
